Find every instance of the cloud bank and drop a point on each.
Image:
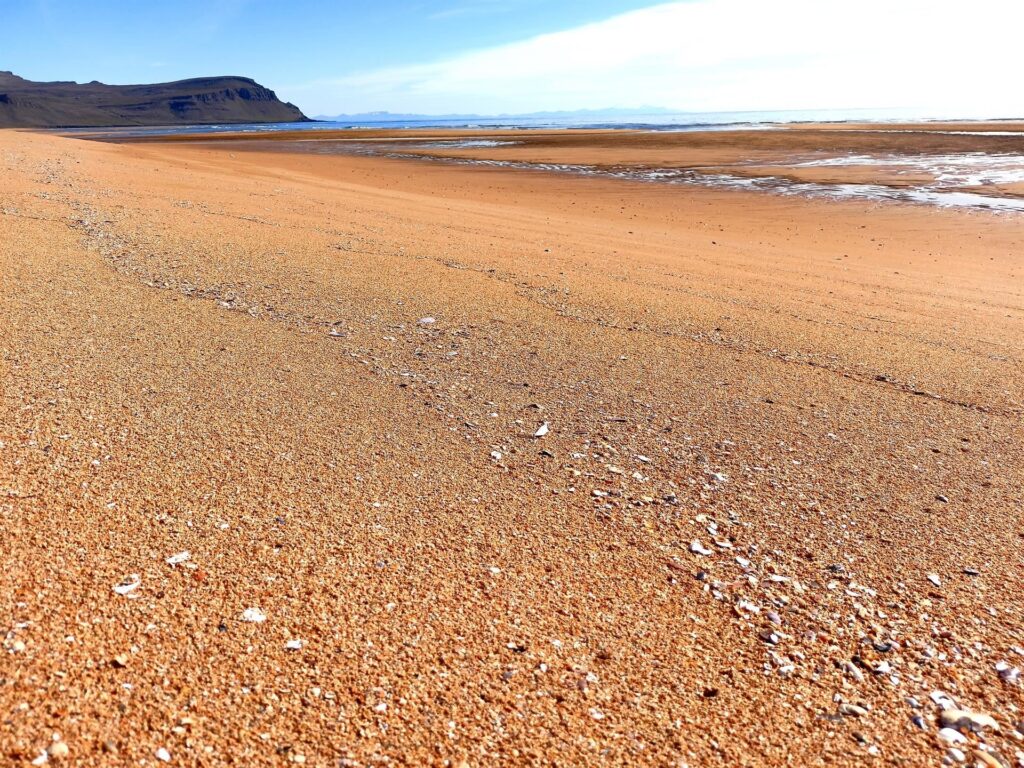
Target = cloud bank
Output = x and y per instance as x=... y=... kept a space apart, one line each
x=717 y=55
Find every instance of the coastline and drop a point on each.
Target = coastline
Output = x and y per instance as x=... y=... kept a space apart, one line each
x=957 y=165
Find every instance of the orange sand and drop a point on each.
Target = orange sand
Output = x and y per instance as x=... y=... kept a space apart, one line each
x=231 y=354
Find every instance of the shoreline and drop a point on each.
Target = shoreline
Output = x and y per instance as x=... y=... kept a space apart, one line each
x=947 y=168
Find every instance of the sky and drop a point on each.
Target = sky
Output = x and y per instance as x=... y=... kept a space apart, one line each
x=940 y=57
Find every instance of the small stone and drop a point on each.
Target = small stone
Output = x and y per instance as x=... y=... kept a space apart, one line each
x=293 y=645
x=179 y=558
x=254 y=616
x=934 y=579
x=972 y=571
x=542 y=430
x=120 y=661
x=951 y=736
x=964 y=719
x=163 y=755
x=768 y=636
x=699 y=549
x=58 y=750
x=955 y=755
x=597 y=714
x=17 y=646
x=1008 y=674
x=851 y=710
x=427 y=320
x=853 y=671
x=986 y=759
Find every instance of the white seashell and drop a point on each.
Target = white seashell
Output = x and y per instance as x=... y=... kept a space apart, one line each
x=128 y=584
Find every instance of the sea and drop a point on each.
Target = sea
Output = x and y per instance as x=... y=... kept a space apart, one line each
x=651 y=121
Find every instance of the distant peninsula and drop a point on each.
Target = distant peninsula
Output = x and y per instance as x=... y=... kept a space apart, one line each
x=205 y=100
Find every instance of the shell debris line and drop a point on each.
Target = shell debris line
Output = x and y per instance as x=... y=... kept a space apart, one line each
x=327 y=458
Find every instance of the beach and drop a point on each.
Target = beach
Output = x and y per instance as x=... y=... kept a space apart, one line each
x=322 y=457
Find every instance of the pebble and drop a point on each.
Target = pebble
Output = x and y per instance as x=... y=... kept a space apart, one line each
x=934 y=579
x=163 y=755
x=768 y=636
x=964 y=718
x=181 y=557
x=851 y=710
x=542 y=430
x=986 y=759
x=699 y=549
x=58 y=750
x=853 y=671
x=293 y=645
x=956 y=755
x=1009 y=675
x=254 y=616
x=951 y=736
x=427 y=320
x=121 y=660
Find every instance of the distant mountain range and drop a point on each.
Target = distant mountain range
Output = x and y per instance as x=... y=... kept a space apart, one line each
x=205 y=100
x=387 y=117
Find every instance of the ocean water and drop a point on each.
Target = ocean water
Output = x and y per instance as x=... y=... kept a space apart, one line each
x=660 y=121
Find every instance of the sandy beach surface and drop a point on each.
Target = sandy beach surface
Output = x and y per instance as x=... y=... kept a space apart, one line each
x=338 y=460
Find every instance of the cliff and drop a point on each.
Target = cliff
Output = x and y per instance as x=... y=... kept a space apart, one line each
x=28 y=104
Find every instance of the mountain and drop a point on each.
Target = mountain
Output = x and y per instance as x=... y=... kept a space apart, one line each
x=28 y=104
x=610 y=112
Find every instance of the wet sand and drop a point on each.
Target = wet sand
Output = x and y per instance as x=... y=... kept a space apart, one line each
x=964 y=165
x=773 y=514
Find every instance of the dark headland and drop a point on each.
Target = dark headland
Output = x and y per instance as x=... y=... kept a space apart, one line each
x=28 y=104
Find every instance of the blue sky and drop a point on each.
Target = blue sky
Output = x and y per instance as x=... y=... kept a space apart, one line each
x=489 y=56
x=277 y=43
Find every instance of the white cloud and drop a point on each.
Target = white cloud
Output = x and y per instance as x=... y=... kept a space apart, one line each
x=711 y=55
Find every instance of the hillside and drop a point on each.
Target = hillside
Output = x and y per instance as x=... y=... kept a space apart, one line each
x=28 y=104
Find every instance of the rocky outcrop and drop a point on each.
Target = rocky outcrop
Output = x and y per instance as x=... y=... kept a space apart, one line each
x=28 y=104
